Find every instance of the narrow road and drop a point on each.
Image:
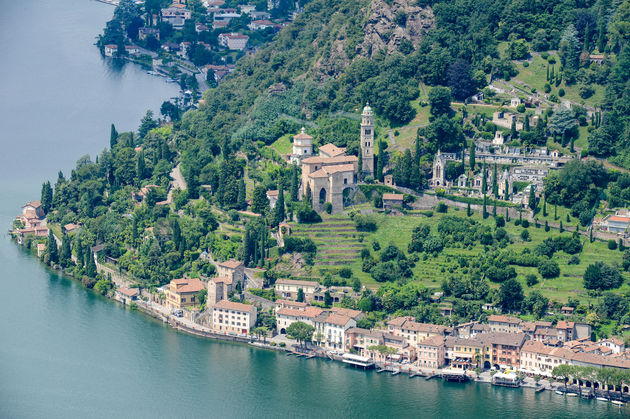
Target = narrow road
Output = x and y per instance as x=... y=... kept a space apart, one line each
x=178 y=182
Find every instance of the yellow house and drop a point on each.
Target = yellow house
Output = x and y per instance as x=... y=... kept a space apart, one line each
x=181 y=293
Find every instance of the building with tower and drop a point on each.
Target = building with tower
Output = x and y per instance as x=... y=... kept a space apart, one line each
x=302 y=147
x=367 y=141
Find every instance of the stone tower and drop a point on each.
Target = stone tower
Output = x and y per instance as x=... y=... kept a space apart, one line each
x=367 y=140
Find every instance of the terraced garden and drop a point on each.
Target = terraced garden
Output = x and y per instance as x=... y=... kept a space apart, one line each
x=339 y=244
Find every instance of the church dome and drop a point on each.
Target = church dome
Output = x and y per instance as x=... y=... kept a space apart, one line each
x=367 y=110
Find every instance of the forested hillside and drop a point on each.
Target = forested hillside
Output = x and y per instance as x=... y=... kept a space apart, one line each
x=317 y=73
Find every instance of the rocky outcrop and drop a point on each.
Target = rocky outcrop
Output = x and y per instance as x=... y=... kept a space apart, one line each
x=388 y=24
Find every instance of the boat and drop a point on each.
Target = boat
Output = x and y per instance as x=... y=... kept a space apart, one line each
x=507 y=379
x=617 y=402
x=539 y=389
x=559 y=392
x=603 y=399
x=572 y=394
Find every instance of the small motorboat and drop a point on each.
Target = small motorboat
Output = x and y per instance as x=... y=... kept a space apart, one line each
x=617 y=402
x=603 y=399
x=559 y=392
x=572 y=394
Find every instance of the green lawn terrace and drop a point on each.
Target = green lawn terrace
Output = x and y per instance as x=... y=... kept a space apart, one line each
x=339 y=245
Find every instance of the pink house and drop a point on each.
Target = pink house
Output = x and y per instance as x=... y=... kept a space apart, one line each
x=431 y=352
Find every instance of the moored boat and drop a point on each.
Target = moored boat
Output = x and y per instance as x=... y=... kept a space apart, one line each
x=617 y=402
x=603 y=399
x=572 y=394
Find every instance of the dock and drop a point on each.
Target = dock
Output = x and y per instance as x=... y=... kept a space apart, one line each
x=432 y=376
x=358 y=361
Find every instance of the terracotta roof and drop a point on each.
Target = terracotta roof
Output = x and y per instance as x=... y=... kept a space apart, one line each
x=365 y=332
x=338 y=319
x=186 y=285
x=503 y=319
x=222 y=279
x=567 y=309
x=289 y=303
x=297 y=282
x=34 y=204
x=613 y=340
x=565 y=325
x=307 y=312
x=398 y=321
x=330 y=160
x=435 y=340
x=272 y=193
x=347 y=312
x=512 y=339
x=332 y=150
x=230 y=305
x=618 y=218
x=232 y=264
x=452 y=341
x=318 y=174
x=393 y=196
x=130 y=292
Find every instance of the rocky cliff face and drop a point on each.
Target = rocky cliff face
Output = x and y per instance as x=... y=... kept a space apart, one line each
x=384 y=25
x=388 y=23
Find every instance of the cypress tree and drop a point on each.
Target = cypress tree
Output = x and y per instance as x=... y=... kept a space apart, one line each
x=513 y=132
x=140 y=166
x=547 y=226
x=471 y=157
x=532 y=197
x=46 y=197
x=80 y=258
x=65 y=256
x=547 y=72
x=485 y=213
x=591 y=235
x=495 y=186
x=380 y=162
x=484 y=183
x=294 y=183
x=544 y=208
x=555 y=212
x=242 y=204
x=90 y=267
x=113 y=137
x=507 y=190
x=468 y=210
x=507 y=214
x=177 y=233
x=494 y=209
x=526 y=124
x=51 y=249
x=561 y=228
x=572 y=149
x=278 y=211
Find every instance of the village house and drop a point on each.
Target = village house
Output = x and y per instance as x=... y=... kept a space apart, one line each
x=272 y=197
x=506 y=349
x=467 y=353
x=246 y=8
x=233 y=41
x=257 y=25
x=330 y=330
x=614 y=344
x=415 y=332
x=233 y=269
x=176 y=16
x=360 y=340
x=353 y=314
x=132 y=49
x=615 y=223
x=278 y=304
x=286 y=316
x=32 y=215
x=231 y=317
x=430 y=353
x=70 y=228
x=225 y=15
x=393 y=200
x=289 y=289
x=500 y=323
x=538 y=359
x=568 y=311
x=199 y=27
x=182 y=293
x=144 y=33
x=110 y=50
x=41 y=249
x=126 y=295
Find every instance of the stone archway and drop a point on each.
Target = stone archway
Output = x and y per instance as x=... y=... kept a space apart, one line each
x=487 y=365
x=322 y=195
x=283 y=331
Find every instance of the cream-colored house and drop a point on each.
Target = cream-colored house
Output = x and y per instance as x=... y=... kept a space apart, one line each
x=181 y=293
x=231 y=317
x=288 y=289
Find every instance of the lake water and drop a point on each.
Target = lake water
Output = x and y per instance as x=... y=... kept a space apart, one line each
x=68 y=353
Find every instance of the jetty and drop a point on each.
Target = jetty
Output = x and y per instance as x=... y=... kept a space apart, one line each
x=454 y=375
x=358 y=361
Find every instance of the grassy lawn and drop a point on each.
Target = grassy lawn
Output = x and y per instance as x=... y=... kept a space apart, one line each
x=284 y=144
x=535 y=76
x=337 y=235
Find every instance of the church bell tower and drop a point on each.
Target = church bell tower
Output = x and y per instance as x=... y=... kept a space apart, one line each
x=367 y=140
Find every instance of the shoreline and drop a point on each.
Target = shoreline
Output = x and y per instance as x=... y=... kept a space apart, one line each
x=387 y=368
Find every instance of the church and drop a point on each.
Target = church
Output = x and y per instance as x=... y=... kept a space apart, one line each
x=332 y=174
